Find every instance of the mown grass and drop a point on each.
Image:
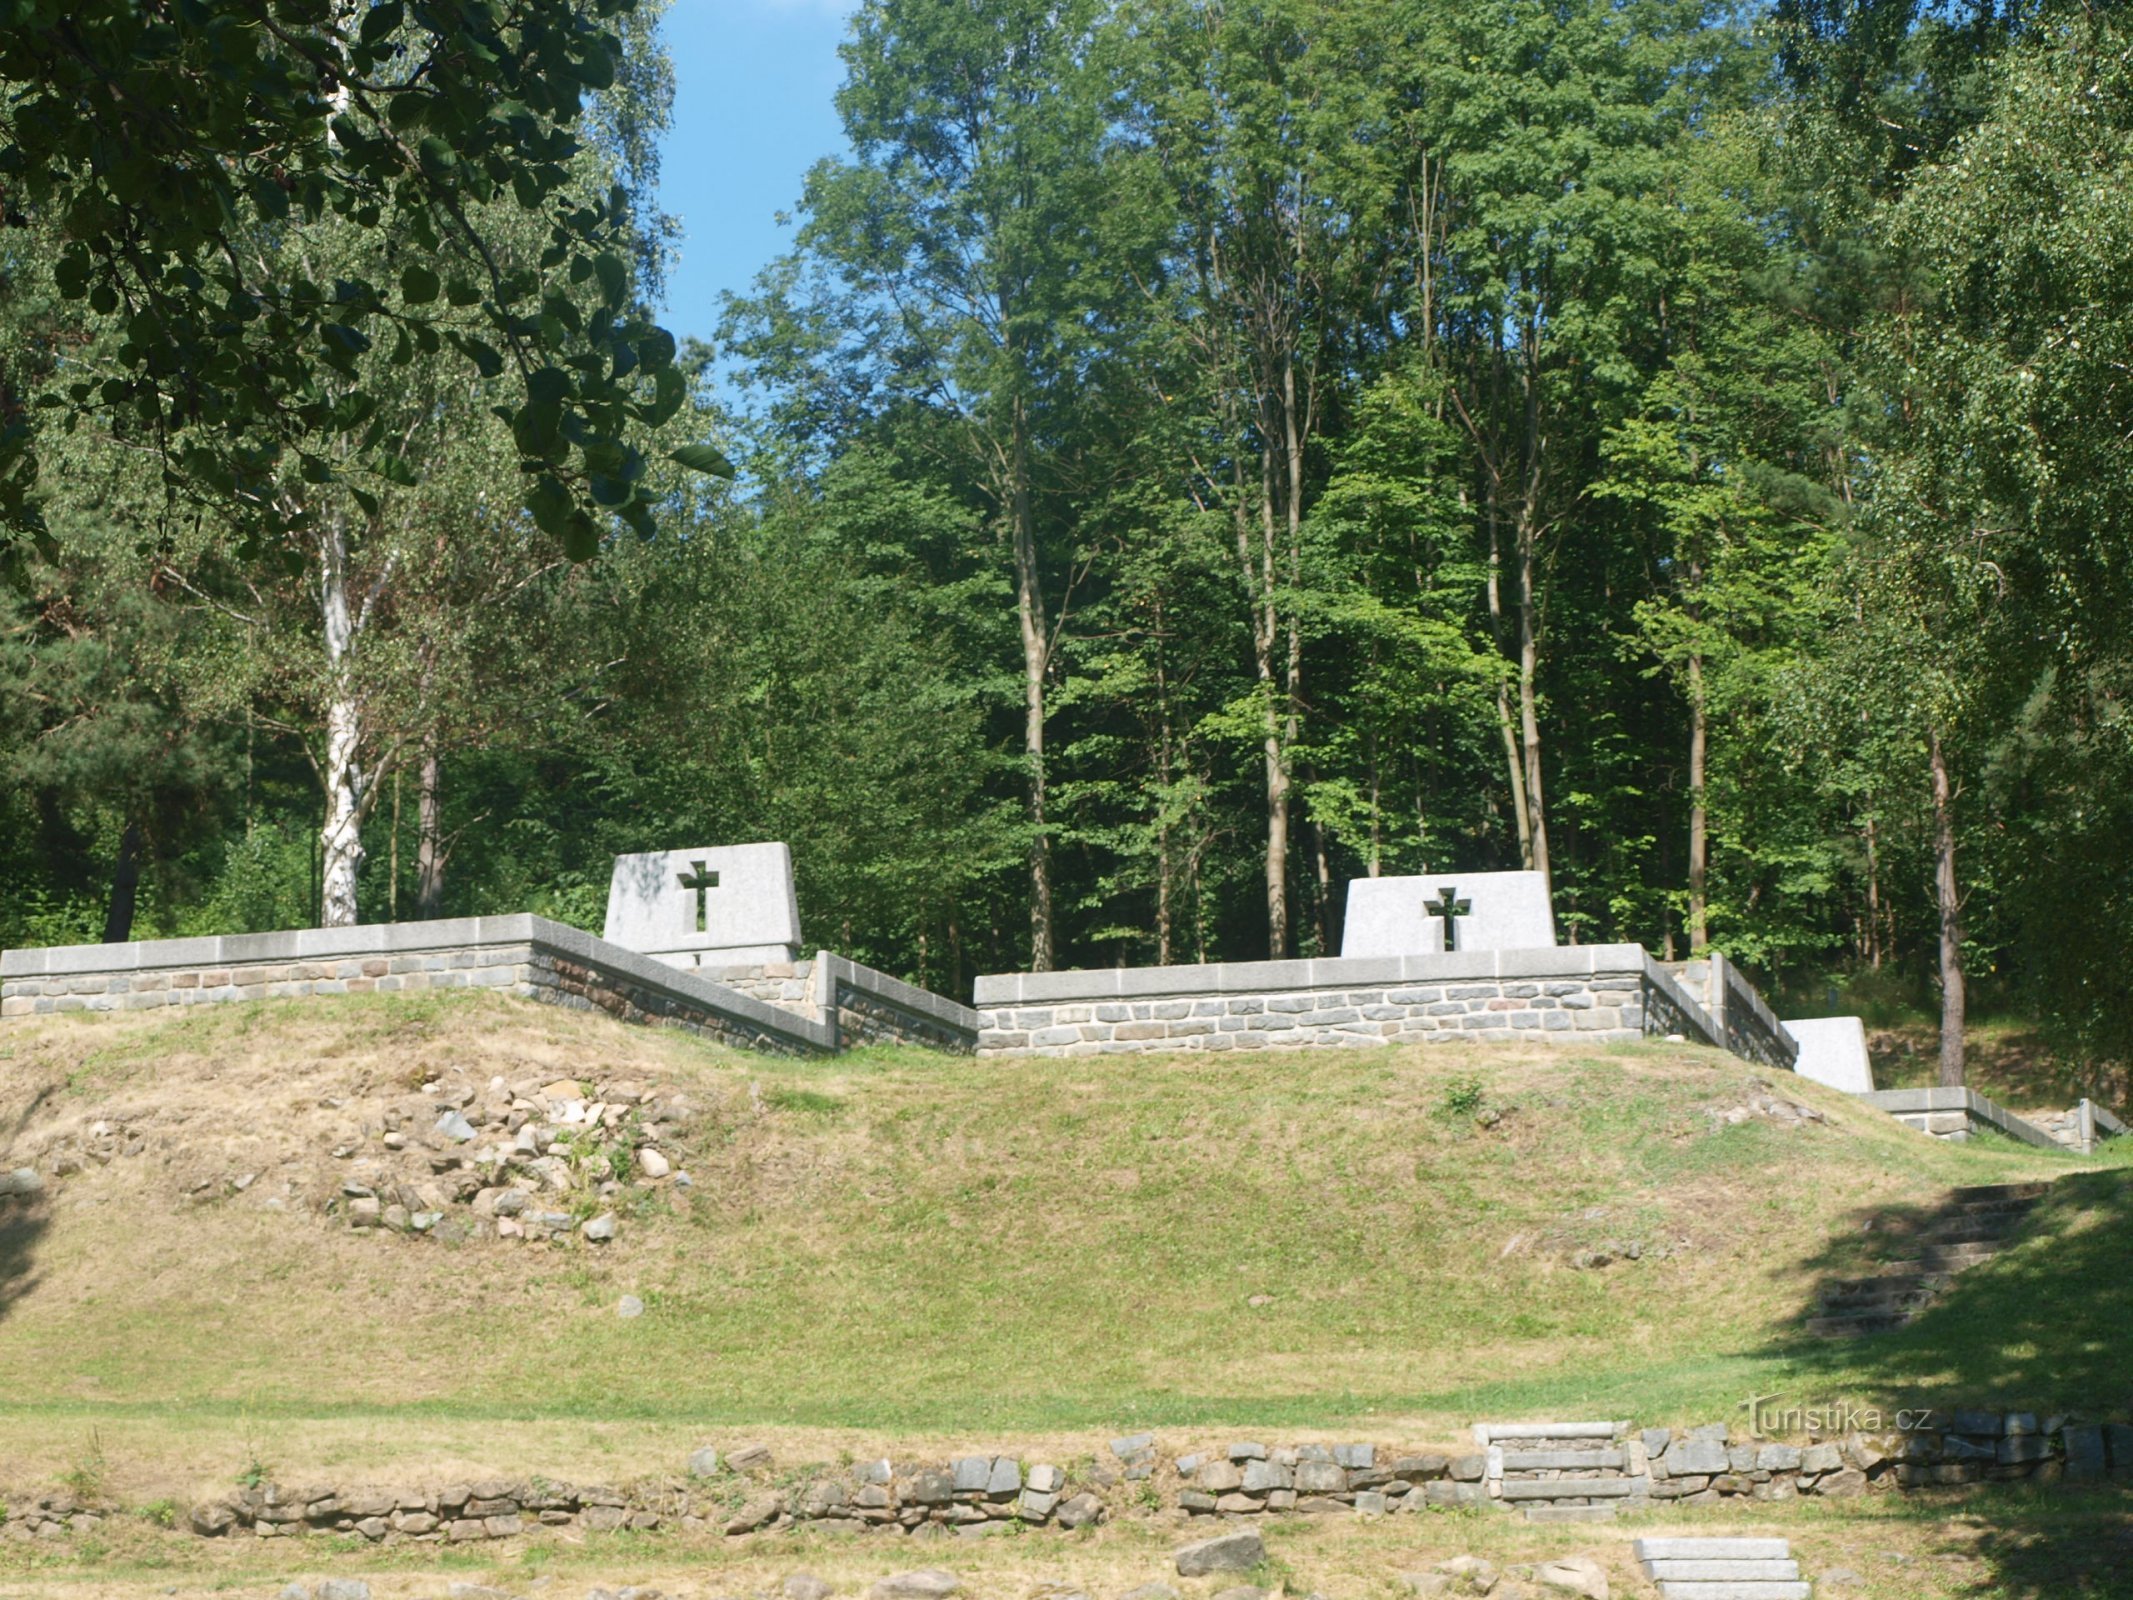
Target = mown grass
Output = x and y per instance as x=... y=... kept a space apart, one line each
x=899 y=1244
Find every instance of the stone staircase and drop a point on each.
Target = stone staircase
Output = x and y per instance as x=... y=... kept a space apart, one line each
x=1977 y=1223
x=1723 y=1569
x=1565 y=1471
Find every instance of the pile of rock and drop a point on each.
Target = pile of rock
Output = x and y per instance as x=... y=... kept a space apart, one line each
x=1249 y=1479
x=455 y=1161
x=1768 y=1104
x=50 y=1516
x=528 y=1161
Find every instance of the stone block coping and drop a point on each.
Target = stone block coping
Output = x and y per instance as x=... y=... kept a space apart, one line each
x=1488 y=1433
x=459 y=934
x=1333 y=972
x=1924 y=1102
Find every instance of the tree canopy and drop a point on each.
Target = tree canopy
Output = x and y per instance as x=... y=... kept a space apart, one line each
x=1196 y=454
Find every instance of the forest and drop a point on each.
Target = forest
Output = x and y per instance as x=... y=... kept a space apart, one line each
x=1195 y=453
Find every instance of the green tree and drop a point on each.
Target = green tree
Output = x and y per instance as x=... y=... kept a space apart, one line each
x=242 y=120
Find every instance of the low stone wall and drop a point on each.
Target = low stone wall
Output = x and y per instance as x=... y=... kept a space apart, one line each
x=1583 y=992
x=1956 y=1114
x=863 y=1006
x=2080 y=1128
x=970 y=1497
x=1572 y=1471
x=1744 y=1023
x=523 y=955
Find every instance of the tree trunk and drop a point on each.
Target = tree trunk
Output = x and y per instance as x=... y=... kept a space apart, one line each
x=341 y=837
x=1513 y=767
x=125 y=886
x=1165 y=868
x=1952 y=994
x=1528 y=702
x=1873 y=888
x=429 y=835
x=1277 y=836
x=1029 y=614
x=1699 y=818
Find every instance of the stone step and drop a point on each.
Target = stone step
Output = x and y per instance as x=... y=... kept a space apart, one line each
x=2005 y=1205
x=1854 y=1326
x=1772 y=1571
x=1570 y=1488
x=1547 y=1513
x=1998 y=1191
x=1906 y=1291
x=1953 y=1257
x=1901 y=1280
x=1750 y=1590
x=1969 y=1229
x=1488 y=1433
x=1666 y=1548
x=1564 y=1460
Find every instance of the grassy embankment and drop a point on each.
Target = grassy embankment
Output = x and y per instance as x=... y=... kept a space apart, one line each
x=905 y=1252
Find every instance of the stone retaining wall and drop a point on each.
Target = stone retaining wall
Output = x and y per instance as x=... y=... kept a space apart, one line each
x=1955 y=1114
x=1586 y=993
x=523 y=955
x=868 y=1007
x=1745 y=1025
x=1573 y=1470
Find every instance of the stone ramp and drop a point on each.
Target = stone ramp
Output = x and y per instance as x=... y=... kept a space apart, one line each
x=1976 y=1224
x=1723 y=1569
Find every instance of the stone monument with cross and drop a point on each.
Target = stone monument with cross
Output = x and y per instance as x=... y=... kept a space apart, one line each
x=725 y=906
x=1447 y=911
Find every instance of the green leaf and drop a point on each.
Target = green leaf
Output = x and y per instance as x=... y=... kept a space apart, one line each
x=702 y=458
x=419 y=285
x=72 y=274
x=380 y=21
x=440 y=162
x=614 y=277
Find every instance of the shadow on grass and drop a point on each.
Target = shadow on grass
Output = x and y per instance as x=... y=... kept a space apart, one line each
x=2047 y=1325
x=23 y=1219
x=2014 y=1542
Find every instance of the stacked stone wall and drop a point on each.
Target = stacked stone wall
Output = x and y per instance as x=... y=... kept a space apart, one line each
x=772 y=1008
x=1573 y=1471
x=863 y=1006
x=1594 y=993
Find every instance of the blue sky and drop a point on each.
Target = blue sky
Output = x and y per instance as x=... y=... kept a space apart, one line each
x=752 y=112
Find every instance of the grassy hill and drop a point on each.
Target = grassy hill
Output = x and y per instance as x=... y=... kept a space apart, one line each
x=900 y=1243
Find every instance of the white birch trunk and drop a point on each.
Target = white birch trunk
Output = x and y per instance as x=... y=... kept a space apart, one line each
x=341 y=839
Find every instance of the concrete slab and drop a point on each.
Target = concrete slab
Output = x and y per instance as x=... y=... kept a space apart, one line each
x=1736 y=1591
x=1833 y=1052
x=726 y=906
x=1495 y=911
